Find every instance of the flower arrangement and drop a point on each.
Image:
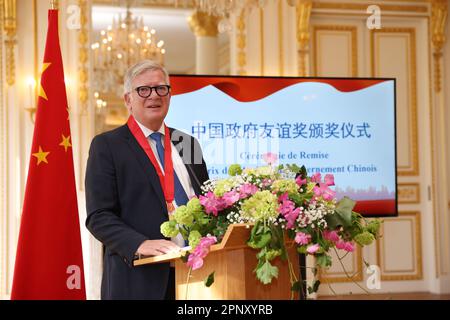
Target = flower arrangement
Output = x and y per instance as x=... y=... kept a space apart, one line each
x=277 y=202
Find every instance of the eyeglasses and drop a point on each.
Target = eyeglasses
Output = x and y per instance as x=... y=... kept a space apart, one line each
x=146 y=91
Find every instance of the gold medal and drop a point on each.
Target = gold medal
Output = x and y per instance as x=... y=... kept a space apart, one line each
x=170 y=207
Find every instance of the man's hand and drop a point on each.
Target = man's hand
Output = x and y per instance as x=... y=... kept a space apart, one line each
x=157 y=247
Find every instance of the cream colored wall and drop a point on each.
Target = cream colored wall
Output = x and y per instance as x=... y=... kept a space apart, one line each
x=338 y=50
x=446 y=91
x=414 y=252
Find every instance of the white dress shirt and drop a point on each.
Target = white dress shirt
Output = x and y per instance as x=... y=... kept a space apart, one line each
x=178 y=166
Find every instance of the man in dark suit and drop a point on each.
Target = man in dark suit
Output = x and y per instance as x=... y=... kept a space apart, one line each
x=131 y=187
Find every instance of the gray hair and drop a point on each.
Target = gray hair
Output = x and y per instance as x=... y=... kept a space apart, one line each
x=141 y=67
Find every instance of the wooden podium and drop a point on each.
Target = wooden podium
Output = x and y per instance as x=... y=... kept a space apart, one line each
x=233 y=263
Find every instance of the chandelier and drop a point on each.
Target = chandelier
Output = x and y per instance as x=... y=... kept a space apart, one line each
x=122 y=44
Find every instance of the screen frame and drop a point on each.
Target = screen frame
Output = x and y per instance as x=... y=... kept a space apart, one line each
x=379 y=215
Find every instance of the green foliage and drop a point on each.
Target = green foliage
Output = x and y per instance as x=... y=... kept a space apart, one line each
x=260 y=206
x=169 y=229
x=234 y=170
x=209 y=280
x=344 y=210
x=194 y=238
x=295 y=168
x=314 y=287
x=277 y=241
x=260 y=236
x=323 y=260
x=183 y=216
x=296 y=286
x=374 y=227
x=266 y=272
x=364 y=239
x=342 y=215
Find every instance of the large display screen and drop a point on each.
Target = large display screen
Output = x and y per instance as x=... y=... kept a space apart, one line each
x=330 y=125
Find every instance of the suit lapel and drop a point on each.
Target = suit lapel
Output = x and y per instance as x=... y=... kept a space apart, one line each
x=146 y=165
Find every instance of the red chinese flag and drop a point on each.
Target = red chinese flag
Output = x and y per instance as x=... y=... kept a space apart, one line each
x=49 y=261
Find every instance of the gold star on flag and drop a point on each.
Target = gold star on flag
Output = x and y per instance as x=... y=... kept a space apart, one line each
x=41 y=89
x=65 y=142
x=41 y=156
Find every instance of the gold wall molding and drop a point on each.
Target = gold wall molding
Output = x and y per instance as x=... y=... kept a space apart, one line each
x=434 y=25
x=35 y=47
x=414 y=217
x=413 y=169
x=261 y=40
x=32 y=108
x=408 y=193
x=357 y=272
x=303 y=12
x=203 y=24
x=355 y=14
x=83 y=53
x=433 y=171
x=4 y=221
x=241 y=44
x=363 y=7
x=338 y=28
x=10 y=28
x=439 y=12
x=84 y=120
x=280 y=39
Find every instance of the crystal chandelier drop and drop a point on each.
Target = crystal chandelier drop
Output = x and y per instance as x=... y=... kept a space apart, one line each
x=122 y=44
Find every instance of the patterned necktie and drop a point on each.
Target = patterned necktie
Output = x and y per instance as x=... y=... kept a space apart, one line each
x=181 y=197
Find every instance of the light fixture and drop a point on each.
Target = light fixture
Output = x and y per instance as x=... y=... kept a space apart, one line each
x=31 y=87
x=125 y=42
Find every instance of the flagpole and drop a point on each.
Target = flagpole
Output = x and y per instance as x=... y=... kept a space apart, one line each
x=54 y=4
